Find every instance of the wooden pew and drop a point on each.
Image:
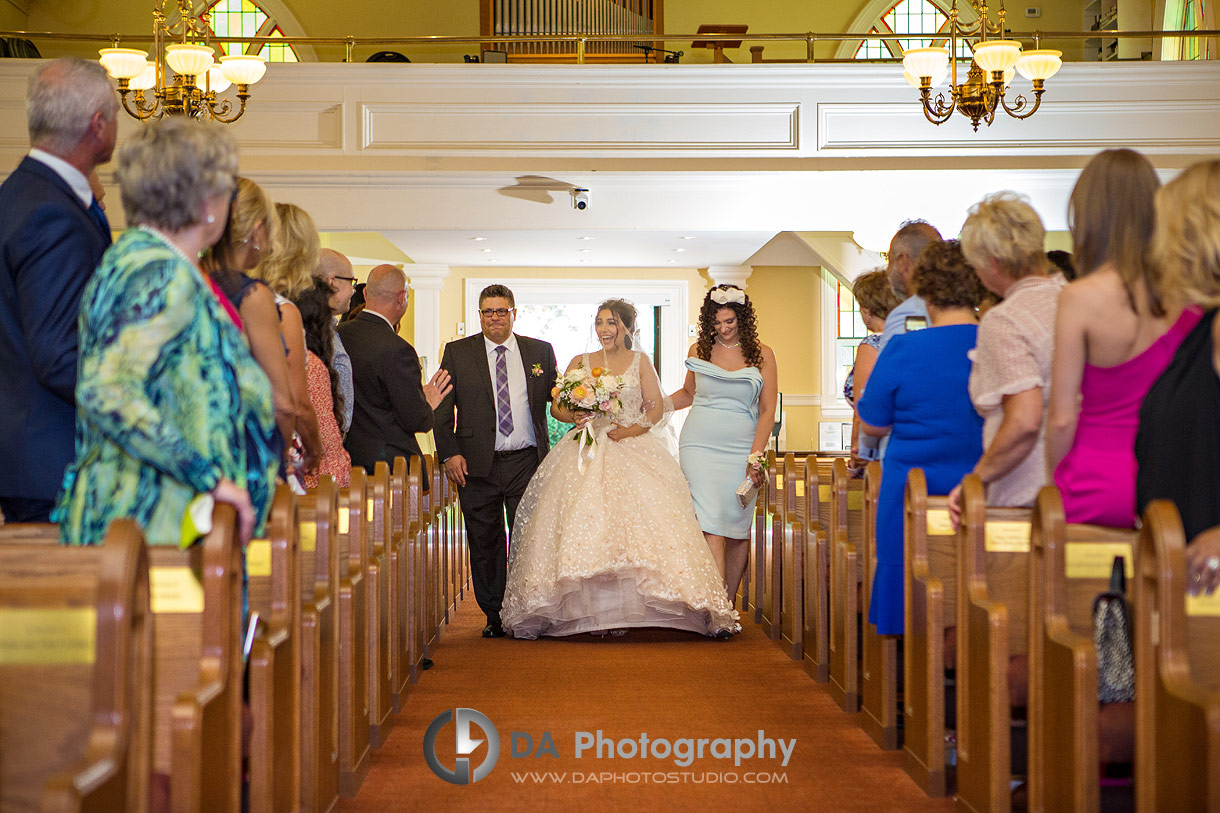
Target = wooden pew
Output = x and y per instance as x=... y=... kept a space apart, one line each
x=438 y=533
x=274 y=592
x=772 y=573
x=319 y=530
x=846 y=528
x=400 y=670
x=433 y=606
x=764 y=508
x=1177 y=675
x=930 y=589
x=992 y=623
x=354 y=717
x=382 y=620
x=791 y=579
x=1069 y=567
x=879 y=664
x=417 y=588
x=76 y=650
x=817 y=568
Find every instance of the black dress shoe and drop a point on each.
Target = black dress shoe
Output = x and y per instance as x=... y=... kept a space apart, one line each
x=425 y=663
x=493 y=631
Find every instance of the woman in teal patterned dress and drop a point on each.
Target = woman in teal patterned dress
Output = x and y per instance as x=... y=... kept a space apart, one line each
x=731 y=386
x=171 y=406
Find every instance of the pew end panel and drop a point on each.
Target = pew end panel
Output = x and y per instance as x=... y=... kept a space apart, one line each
x=354 y=719
x=879 y=653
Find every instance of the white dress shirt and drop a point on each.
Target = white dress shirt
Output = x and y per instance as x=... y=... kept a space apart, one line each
x=71 y=175
x=518 y=397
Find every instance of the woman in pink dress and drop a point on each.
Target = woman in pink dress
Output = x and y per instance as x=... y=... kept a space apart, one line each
x=323 y=383
x=1114 y=336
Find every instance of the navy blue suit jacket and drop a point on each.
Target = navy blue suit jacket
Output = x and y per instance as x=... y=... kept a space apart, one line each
x=49 y=248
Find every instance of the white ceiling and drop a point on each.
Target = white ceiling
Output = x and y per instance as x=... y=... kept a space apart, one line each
x=604 y=248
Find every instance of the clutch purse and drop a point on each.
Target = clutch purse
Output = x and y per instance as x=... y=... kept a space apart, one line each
x=746 y=492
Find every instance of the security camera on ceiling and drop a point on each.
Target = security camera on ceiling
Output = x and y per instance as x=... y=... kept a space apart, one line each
x=580 y=199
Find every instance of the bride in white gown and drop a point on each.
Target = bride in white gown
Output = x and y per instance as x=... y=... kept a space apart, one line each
x=616 y=545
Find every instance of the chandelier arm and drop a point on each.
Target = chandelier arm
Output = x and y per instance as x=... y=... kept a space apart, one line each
x=220 y=111
x=1020 y=104
x=136 y=108
x=940 y=113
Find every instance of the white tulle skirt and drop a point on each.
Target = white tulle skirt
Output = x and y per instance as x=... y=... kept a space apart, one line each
x=614 y=547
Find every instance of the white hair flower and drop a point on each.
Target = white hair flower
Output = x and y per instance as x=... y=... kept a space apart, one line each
x=723 y=296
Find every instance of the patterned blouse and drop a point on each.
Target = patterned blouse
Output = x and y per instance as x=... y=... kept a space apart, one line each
x=849 y=386
x=335 y=460
x=169 y=400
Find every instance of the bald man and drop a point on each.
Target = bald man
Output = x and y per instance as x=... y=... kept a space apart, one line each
x=391 y=404
x=907 y=244
x=336 y=271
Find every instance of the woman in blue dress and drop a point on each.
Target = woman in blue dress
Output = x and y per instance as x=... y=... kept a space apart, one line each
x=731 y=387
x=917 y=394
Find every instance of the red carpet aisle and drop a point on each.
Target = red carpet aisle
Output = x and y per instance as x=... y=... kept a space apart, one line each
x=666 y=685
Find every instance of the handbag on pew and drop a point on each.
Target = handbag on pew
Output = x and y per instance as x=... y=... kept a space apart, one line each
x=1112 y=638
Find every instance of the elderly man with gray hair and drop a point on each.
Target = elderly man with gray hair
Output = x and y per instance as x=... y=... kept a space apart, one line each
x=336 y=271
x=52 y=235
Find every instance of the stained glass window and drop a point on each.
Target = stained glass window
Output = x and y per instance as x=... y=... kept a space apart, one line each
x=244 y=18
x=1183 y=15
x=910 y=17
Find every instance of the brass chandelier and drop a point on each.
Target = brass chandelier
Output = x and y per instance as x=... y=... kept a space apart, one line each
x=183 y=74
x=995 y=62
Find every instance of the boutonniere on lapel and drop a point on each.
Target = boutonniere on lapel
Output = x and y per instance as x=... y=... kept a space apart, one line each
x=536 y=370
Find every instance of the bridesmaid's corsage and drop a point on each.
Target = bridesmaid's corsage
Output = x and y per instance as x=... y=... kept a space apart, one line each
x=536 y=370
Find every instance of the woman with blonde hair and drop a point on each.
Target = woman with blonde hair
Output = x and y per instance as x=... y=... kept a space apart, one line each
x=1115 y=333
x=248 y=238
x=1178 y=444
x=288 y=272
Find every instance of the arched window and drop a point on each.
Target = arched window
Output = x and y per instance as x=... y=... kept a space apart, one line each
x=1184 y=15
x=909 y=17
x=244 y=18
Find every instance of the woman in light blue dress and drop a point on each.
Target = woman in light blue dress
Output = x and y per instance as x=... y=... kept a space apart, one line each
x=731 y=387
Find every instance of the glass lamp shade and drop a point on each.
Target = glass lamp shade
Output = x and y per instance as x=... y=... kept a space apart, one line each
x=189 y=60
x=220 y=82
x=932 y=62
x=1039 y=64
x=243 y=69
x=997 y=55
x=123 y=63
x=913 y=80
x=147 y=78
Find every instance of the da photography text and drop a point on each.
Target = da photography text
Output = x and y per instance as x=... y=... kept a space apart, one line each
x=591 y=745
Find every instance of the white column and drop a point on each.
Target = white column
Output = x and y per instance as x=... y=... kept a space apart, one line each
x=730 y=274
x=427 y=280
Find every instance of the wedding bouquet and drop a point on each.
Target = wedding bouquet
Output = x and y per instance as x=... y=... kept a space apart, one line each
x=595 y=391
x=747 y=490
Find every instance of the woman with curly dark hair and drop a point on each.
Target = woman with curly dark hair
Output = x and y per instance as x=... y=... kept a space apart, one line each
x=918 y=395
x=316 y=317
x=731 y=386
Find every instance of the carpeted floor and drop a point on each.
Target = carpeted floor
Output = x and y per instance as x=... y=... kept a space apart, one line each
x=666 y=685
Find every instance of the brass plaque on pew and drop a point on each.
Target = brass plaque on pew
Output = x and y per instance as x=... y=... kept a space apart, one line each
x=175 y=590
x=939 y=522
x=345 y=520
x=779 y=482
x=823 y=493
x=258 y=557
x=40 y=636
x=369 y=509
x=855 y=501
x=800 y=488
x=1007 y=537
x=1203 y=605
x=1095 y=560
x=309 y=536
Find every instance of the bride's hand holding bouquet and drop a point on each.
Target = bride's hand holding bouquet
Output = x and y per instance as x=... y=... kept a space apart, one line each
x=588 y=394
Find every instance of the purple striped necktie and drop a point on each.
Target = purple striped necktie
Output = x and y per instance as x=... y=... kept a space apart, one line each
x=504 y=410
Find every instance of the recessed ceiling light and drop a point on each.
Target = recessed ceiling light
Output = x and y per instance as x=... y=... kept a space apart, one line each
x=584 y=261
x=478 y=239
x=583 y=250
x=671 y=261
x=678 y=250
x=492 y=260
x=688 y=238
x=586 y=238
x=488 y=250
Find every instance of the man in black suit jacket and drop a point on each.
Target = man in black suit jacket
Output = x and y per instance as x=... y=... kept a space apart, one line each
x=493 y=444
x=52 y=235
x=391 y=405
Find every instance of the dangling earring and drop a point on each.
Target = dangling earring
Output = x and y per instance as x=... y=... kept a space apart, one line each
x=257 y=247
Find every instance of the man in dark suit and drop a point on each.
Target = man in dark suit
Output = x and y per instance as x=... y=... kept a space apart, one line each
x=52 y=235
x=391 y=405
x=491 y=433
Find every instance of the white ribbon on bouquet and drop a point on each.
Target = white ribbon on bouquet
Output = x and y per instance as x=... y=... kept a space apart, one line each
x=588 y=446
